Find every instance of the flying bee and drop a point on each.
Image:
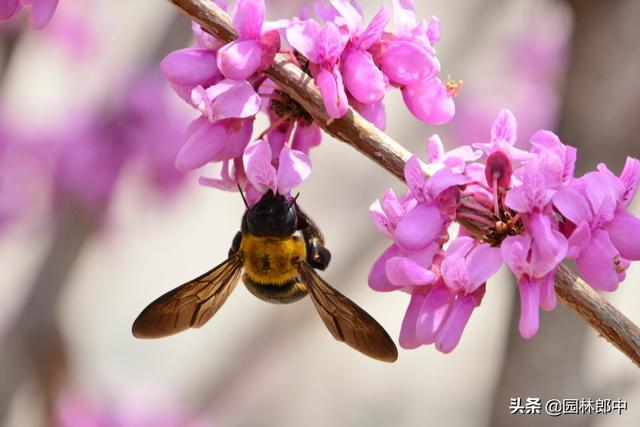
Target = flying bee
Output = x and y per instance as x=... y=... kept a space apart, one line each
x=279 y=248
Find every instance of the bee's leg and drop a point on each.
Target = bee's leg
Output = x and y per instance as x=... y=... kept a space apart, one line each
x=317 y=255
x=235 y=246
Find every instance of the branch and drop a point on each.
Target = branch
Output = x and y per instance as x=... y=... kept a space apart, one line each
x=379 y=147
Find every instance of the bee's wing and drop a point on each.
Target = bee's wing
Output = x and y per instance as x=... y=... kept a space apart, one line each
x=345 y=320
x=190 y=305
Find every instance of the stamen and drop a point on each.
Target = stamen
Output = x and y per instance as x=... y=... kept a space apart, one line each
x=453 y=86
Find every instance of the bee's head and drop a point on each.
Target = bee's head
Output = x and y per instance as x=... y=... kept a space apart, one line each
x=273 y=216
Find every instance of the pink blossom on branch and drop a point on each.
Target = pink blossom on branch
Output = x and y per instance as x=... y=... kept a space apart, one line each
x=351 y=63
x=532 y=212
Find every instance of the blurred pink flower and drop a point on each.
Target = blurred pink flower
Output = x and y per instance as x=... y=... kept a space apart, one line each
x=40 y=11
x=139 y=129
x=74 y=410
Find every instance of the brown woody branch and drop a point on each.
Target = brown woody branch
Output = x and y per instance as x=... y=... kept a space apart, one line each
x=379 y=147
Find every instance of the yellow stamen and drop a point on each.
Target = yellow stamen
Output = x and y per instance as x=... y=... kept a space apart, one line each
x=453 y=86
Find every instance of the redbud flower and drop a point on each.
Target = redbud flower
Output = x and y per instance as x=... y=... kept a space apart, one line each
x=292 y=167
x=322 y=46
x=530 y=212
x=601 y=240
x=255 y=47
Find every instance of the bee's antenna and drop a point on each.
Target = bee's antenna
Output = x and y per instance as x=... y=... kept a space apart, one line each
x=242 y=195
x=293 y=201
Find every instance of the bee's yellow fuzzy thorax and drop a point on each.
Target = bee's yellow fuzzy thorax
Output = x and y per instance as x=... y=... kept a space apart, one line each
x=270 y=260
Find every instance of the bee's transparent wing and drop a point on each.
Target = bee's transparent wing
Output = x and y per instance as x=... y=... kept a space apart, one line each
x=190 y=305
x=345 y=320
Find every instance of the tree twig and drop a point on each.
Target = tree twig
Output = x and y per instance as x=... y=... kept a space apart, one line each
x=354 y=130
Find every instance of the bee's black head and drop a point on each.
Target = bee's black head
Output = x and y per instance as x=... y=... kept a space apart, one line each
x=273 y=216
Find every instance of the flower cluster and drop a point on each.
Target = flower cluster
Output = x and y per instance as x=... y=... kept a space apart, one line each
x=39 y=15
x=352 y=64
x=531 y=213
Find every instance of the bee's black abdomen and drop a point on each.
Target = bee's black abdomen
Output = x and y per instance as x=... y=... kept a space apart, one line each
x=286 y=293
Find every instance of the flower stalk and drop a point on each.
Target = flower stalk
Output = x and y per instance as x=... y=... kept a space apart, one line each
x=354 y=130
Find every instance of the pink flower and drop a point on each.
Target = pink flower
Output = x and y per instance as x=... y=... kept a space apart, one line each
x=535 y=273
x=601 y=229
x=40 y=12
x=429 y=101
x=455 y=159
x=255 y=47
x=504 y=133
x=466 y=267
x=142 y=131
x=409 y=57
x=322 y=47
x=228 y=109
x=362 y=78
x=292 y=168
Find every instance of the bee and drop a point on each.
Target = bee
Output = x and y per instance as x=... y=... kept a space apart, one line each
x=279 y=248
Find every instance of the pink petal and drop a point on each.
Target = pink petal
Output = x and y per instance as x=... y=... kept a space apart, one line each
x=302 y=36
x=630 y=178
x=408 y=338
x=392 y=207
x=373 y=112
x=257 y=165
x=239 y=131
x=419 y=228
x=515 y=252
x=362 y=78
x=482 y=262
x=406 y=63
x=572 y=205
x=306 y=137
x=204 y=141
x=449 y=335
x=549 y=246
x=623 y=231
x=378 y=280
x=293 y=168
x=380 y=220
x=233 y=99
x=433 y=31
x=404 y=16
x=8 y=8
x=433 y=313
x=375 y=29
x=429 y=101
x=248 y=18
x=435 y=149
x=529 y=304
x=579 y=239
x=333 y=95
x=505 y=128
x=190 y=67
x=330 y=44
x=402 y=272
x=415 y=179
x=460 y=247
x=596 y=263
x=270 y=42
x=350 y=14
x=548 y=292
x=41 y=12
x=443 y=180
x=239 y=59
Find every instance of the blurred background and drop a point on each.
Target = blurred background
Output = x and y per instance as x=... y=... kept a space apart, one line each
x=95 y=223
